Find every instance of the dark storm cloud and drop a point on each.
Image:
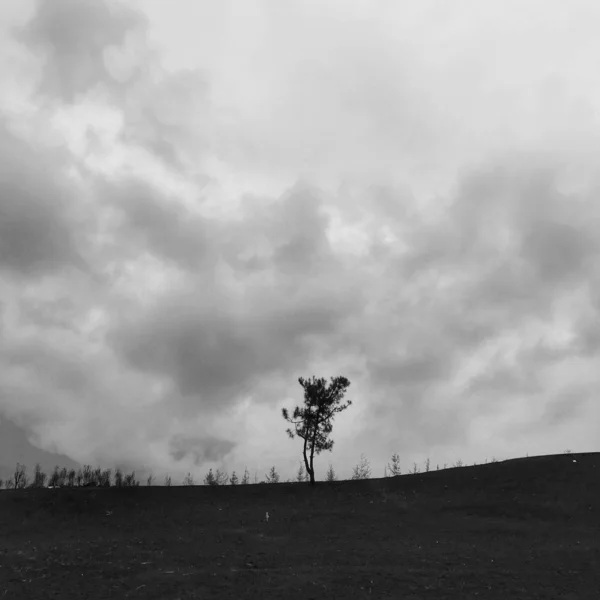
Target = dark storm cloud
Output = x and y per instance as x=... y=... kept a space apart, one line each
x=512 y=241
x=566 y=405
x=513 y=379
x=151 y=221
x=412 y=370
x=60 y=368
x=71 y=36
x=36 y=210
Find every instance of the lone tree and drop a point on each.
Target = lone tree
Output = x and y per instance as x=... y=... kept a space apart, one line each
x=313 y=422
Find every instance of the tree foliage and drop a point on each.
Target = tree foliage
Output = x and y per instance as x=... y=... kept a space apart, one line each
x=313 y=423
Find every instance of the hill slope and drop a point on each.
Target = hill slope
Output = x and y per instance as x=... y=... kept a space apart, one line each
x=524 y=528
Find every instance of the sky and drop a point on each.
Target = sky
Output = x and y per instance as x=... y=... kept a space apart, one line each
x=201 y=202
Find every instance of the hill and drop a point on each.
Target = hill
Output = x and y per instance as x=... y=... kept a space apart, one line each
x=522 y=528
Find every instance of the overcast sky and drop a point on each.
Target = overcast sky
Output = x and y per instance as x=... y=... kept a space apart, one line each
x=202 y=201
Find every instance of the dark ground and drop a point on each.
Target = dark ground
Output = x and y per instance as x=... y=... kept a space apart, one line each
x=524 y=528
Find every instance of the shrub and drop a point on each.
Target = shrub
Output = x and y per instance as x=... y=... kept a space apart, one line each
x=273 y=476
x=395 y=466
x=87 y=475
x=104 y=478
x=71 y=477
x=220 y=478
x=54 y=478
x=302 y=475
x=362 y=470
x=130 y=480
x=118 y=477
x=20 y=477
x=210 y=479
x=39 y=478
x=246 y=477
x=330 y=475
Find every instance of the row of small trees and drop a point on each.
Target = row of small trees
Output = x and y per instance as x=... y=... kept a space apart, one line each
x=88 y=477
x=85 y=477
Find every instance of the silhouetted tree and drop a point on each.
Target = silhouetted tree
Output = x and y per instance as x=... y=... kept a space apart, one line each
x=246 y=477
x=210 y=479
x=330 y=476
x=97 y=475
x=88 y=474
x=313 y=423
x=103 y=479
x=130 y=480
x=220 y=478
x=72 y=477
x=363 y=470
x=20 y=477
x=64 y=477
x=118 y=477
x=54 y=478
x=189 y=479
x=233 y=480
x=39 y=478
x=273 y=476
x=167 y=480
x=395 y=466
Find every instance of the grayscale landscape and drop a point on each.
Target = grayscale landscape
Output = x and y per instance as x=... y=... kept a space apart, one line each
x=346 y=249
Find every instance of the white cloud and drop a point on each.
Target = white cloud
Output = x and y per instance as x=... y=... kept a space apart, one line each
x=201 y=203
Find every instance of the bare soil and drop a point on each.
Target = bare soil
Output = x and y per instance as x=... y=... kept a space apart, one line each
x=522 y=529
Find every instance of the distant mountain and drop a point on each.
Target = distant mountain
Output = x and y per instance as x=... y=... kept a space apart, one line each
x=15 y=448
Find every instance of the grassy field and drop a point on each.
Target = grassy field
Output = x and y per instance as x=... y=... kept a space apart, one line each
x=525 y=528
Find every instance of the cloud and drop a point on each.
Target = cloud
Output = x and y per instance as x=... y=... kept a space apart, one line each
x=72 y=36
x=36 y=208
